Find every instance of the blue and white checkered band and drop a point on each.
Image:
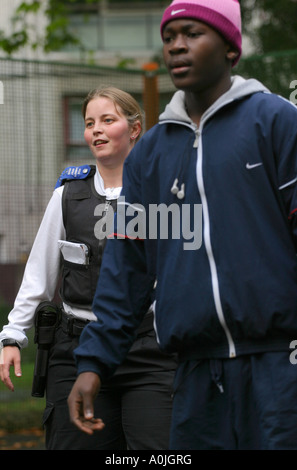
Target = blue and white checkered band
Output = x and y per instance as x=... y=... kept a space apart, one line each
x=73 y=173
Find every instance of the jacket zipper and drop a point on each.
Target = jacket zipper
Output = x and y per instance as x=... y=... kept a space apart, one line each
x=208 y=246
x=206 y=230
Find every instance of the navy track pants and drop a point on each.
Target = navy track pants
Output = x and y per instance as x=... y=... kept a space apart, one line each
x=245 y=403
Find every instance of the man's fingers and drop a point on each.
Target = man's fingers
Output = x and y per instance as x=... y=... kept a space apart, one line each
x=82 y=416
x=89 y=426
x=83 y=420
x=80 y=403
x=87 y=406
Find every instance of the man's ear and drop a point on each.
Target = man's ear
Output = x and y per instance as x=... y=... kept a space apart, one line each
x=231 y=54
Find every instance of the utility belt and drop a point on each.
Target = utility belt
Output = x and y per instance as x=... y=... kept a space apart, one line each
x=48 y=317
x=73 y=326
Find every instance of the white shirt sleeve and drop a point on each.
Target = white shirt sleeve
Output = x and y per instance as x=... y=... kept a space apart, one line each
x=41 y=273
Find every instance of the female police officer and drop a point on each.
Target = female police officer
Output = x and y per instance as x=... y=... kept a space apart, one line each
x=136 y=401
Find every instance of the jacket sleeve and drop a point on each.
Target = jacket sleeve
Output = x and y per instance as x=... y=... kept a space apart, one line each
x=123 y=293
x=285 y=146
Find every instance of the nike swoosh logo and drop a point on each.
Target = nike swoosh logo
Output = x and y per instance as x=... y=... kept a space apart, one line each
x=174 y=12
x=250 y=167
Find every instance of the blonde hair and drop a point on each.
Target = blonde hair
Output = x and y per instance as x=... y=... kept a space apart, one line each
x=127 y=104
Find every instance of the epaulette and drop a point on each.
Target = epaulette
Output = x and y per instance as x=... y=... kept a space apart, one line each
x=74 y=173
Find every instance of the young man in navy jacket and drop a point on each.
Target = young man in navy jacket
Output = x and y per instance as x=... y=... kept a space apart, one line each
x=225 y=288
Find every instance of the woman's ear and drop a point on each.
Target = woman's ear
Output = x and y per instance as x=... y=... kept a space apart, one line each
x=135 y=130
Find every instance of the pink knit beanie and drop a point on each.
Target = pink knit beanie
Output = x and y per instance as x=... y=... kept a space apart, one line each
x=222 y=15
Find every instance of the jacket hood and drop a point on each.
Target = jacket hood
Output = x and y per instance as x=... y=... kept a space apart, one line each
x=176 y=111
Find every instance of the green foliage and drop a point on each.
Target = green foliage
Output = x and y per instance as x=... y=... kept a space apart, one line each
x=56 y=35
x=19 y=37
x=21 y=414
x=123 y=63
x=275 y=70
x=26 y=7
x=276 y=29
x=18 y=409
x=12 y=43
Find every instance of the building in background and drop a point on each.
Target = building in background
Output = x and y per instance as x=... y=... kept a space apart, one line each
x=110 y=32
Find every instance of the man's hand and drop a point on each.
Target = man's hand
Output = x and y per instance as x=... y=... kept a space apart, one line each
x=81 y=400
x=10 y=356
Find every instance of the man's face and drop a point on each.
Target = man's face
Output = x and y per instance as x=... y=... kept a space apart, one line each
x=195 y=54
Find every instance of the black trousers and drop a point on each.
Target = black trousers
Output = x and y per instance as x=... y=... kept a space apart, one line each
x=135 y=404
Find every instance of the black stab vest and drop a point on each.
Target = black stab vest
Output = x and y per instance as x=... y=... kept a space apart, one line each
x=79 y=201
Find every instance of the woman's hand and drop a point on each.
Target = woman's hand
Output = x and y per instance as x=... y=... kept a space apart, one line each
x=10 y=356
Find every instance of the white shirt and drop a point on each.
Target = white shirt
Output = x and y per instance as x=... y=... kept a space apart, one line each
x=42 y=270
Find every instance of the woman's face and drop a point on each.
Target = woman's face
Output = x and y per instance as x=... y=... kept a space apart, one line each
x=107 y=132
